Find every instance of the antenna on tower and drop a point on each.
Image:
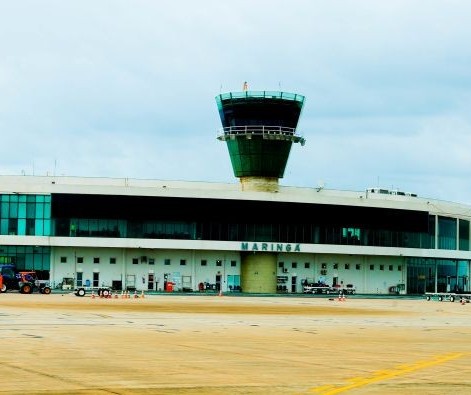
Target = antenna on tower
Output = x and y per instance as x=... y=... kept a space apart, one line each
x=245 y=88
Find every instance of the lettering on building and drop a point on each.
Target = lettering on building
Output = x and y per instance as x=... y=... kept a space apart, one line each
x=270 y=247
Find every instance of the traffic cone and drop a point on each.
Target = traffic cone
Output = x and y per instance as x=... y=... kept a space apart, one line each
x=135 y=295
x=116 y=295
x=93 y=294
x=220 y=292
x=142 y=294
x=122 y=294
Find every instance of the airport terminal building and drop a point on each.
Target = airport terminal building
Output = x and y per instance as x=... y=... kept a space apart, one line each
x=254 y=236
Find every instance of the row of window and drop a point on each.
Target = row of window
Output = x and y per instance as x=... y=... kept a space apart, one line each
x=144 y=259
x=336 y=266
x=452 y=233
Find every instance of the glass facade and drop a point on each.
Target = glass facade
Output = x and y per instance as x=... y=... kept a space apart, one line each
x=285 y=233
x=25 y=215
x=229 y=220
x=436 y=275
x=26 y=257
x=447 y=233
x=464 y=234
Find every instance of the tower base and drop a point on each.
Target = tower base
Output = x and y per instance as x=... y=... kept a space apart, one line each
x=259 y=184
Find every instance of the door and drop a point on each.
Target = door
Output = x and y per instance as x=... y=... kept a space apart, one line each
x=150 y=282
x=293 y=284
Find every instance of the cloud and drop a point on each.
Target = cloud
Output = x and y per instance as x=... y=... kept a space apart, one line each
x=126 y=88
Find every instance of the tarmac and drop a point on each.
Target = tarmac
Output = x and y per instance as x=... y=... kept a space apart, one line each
x=210 y=344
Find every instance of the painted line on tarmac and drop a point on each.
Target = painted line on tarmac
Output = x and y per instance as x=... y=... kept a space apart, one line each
x=385 y=374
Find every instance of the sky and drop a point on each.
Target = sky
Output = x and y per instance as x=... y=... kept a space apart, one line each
x=126 y=88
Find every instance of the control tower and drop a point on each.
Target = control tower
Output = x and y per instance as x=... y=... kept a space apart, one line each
x=259 y=128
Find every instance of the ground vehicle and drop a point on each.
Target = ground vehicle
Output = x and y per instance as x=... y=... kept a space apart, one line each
x=321 y=288
x=103 y=292
x=3 y=288
x=450 y=296
x=28 y=282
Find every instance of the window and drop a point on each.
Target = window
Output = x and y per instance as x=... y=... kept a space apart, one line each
x=96 y=260
x=372 y=267
x=358 y=266
x=390 y=268
x=80 y=259
x=281 y=264
x=381 y=267
x=324 y=266
x=336 y=265
x=233 y=263
x=167 y=261
x=135 y=261
x=151 y=261
x=347 y=266
x=113 y=261
x=218 y=262
x=294 y=265
x=63 y=259
x=182 y=262
x=307 y=265
x=204 y=262
x=399 y=268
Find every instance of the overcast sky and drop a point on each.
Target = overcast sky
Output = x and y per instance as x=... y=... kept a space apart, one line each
x=126 y=88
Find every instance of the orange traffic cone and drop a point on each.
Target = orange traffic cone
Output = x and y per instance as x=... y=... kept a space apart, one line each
x=93 y=294
x=135 y=295
x=142 y=294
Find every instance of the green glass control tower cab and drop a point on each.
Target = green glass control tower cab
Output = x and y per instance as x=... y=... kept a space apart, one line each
x=259 y=128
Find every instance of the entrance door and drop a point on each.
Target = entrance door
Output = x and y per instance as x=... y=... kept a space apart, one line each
x=218 y=282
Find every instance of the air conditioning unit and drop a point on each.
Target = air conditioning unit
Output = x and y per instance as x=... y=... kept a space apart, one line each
x=285 y=270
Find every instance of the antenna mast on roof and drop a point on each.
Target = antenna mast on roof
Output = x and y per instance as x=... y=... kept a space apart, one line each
x=245 y=88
